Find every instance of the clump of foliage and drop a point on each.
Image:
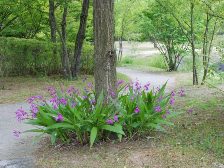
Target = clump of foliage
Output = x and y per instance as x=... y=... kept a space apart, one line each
x=34 y=57
x=161 y=28
x=71 y=115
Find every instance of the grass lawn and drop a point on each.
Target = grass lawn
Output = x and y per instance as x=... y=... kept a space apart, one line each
x=153 y=63
x=18 y=89
x=196 y=140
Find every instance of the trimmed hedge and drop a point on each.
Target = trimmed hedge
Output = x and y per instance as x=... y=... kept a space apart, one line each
x=33 y=57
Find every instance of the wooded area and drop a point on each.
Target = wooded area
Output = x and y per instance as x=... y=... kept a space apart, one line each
x=141 y=81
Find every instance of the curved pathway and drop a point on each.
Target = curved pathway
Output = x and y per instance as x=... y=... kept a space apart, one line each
x=156 y=79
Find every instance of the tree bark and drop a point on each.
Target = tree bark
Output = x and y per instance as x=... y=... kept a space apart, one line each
x=80 y=38
x=65 y=59
x=105 y=54
x=52 y=23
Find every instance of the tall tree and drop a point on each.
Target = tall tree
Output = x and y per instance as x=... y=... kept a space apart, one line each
x=62 y=34
x=80 y=38
x=52 y=23
x=192 y=41
x=104 y=54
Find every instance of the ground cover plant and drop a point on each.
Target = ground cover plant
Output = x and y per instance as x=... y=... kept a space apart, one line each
x=76 y=115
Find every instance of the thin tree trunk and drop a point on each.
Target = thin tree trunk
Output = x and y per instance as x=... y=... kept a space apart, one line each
x=80 y=38
x=195 y=76
x=52 y=23
x=208 y=48
x=105 y=54
x=62 y=34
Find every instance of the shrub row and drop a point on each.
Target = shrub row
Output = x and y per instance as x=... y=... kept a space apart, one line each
x=33 y=57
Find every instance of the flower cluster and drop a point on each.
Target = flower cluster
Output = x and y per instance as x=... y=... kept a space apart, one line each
x=112 y=121
x=135 y=108
x=21 y=114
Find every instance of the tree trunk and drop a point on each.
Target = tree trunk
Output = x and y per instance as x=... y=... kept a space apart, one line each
x=80 y=38
x=52 y=23
x=105 y=54
x=195 y=76
x=62 y=34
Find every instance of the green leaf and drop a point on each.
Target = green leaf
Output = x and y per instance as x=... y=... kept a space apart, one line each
x=34 y=130
x=114 y=128
x=119 y=137
x=53 y=137
x=93 y=135
x=61 y=125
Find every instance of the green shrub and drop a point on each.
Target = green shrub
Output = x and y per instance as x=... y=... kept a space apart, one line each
x=33 y=57
x=70 y=115
x=127 y=60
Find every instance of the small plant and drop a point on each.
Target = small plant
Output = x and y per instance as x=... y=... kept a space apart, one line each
x=70 y=115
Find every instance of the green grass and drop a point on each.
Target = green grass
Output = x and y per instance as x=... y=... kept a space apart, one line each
x=18 y=89
x=154 y=63
x=203 y=129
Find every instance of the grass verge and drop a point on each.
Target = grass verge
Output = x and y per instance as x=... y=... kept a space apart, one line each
x=18 y=89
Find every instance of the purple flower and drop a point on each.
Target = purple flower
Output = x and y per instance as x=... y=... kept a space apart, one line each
x=167 y=112
x=138 y=86
x=52 y=91
x=73 y=104
x=181 y=92
x=158 y=109
x=173 y=93
x=84 y=97
x=115 y=118
x=110 y=122
x=16 y=133
x=54 y=100
x=126 y=87
x=21 y=114
x=93 y=102
x=137 y=110
x=63 y=101
x=34 y=110
x=59 y=117
x=90 y=85
x=146 y=86
x=33 y=98
x=112 y=94
x=190 y=111
x=70 y=90
x=119 y=82
x=172 y=101
x=55 y=106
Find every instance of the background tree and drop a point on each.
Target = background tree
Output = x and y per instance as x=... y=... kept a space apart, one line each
x=160 y=27
x=80 y=38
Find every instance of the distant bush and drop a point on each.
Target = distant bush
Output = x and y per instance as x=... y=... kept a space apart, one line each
x=33 y=57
